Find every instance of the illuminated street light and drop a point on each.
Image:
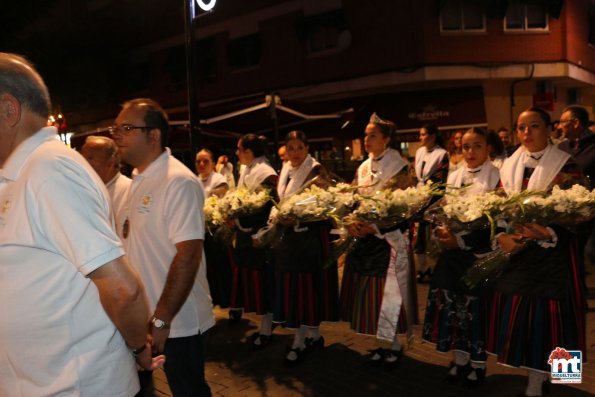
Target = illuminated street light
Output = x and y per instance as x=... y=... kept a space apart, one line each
x=206 y=5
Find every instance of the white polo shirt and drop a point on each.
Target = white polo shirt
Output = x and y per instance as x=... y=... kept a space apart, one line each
x=118 y=191
x=55 y=229
x=165 y=207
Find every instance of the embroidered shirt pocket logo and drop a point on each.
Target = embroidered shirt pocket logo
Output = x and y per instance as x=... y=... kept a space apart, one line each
x=145 y=204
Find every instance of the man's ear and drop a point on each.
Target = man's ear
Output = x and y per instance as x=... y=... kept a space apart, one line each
x=10 y=109
x=155 y=135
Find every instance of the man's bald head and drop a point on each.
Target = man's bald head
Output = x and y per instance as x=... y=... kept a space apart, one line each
x=102 y=154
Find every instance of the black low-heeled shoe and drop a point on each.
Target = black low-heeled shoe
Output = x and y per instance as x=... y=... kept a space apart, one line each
x=480 y=374
x=392 y=358
x=312 y=344
x=234 y=316
x=263 y=339
x=299 y=353
x=462 y=372
x=377 y=356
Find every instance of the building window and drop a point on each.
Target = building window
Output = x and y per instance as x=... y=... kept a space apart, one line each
x=321 y=38
x=462 y=16
x=244 y=52
x=322 y=32
x=526 y=17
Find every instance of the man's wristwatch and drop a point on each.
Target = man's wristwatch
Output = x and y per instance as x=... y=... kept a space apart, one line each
x=158 y=323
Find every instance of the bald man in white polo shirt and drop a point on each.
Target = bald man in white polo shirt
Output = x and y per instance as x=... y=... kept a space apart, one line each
x=102 y=154
x=74 y=312
x=163 y=237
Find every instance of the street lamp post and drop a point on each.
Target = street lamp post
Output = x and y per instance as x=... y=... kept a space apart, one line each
x=191 y=66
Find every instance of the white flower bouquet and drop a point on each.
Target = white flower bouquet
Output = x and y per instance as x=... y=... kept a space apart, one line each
x=243 y=202
x=388 y=207
x=316 y=204
x=222 y=213
x=464 y=212
x=563 y=207
x=213 y=217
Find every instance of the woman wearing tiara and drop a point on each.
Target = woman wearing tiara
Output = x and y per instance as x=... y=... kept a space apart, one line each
x=431 y=164
x=539 y=302
x=252 y=273
x=307 y=293
x=456 y=317
x=378 y=291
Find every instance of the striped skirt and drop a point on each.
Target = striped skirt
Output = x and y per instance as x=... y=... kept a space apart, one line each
x=307 y=298
x=252 y=289
x=524 y=330
x=456 y=321
x=361 y=300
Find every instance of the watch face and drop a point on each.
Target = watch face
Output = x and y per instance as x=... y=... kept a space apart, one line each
x=158 y=323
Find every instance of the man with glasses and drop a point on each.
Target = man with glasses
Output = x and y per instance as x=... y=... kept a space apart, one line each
x=163 y=237
x=579 y=141
x=102 y=154
x=70 y=302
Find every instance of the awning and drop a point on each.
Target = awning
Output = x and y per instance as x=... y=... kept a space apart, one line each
x=262 y=114
x=449 y=109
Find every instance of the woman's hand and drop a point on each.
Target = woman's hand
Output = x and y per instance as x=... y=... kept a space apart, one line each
x=533 y=231
x=360 y=229
x=445 y=237
x=511 y=243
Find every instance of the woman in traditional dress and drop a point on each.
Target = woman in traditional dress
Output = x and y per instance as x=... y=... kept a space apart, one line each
x=456 y=317
x=431 y=164
x=307 y=293
x=538 y=303
x=455 y=152
x=252 y=272
x=213 y=182
x=498 y=153
x=217 y=255
x=378 y=290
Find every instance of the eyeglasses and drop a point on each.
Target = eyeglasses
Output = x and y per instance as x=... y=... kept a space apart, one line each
x=126 y=129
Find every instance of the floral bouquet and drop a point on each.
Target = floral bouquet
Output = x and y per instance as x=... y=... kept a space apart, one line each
x=237 y=203
x=385 y=208
x=316 y=204
x=461 y=212
x=243 y=202
x=565 y=207
x=389 y=207
x=213 y=217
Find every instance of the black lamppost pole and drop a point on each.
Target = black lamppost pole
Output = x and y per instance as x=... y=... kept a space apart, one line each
x=191 y=76
x=191 y=68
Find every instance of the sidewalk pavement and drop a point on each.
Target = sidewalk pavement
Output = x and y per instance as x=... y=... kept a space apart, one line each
x=342 y=369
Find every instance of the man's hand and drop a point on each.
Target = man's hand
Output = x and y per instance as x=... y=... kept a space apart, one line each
x=159 y=338
x=147 y=362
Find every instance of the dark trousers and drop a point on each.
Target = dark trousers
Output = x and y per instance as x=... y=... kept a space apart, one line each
x=185 y=366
